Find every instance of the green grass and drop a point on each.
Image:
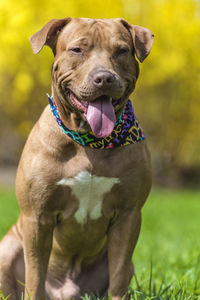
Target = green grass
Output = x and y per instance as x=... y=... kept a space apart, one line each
x=167 y=256
x=170 y=241
x=9 y=209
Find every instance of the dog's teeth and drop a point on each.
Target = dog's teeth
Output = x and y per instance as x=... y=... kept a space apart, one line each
x=82 y=122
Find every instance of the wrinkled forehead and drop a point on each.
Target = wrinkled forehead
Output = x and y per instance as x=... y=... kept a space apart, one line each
x=95 y=31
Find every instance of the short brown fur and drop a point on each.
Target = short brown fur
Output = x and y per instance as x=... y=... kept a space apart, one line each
x=48 y=249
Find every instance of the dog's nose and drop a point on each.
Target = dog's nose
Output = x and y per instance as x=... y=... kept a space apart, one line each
x=103 y=79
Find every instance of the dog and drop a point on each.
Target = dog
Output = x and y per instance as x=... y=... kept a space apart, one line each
x=85 y=170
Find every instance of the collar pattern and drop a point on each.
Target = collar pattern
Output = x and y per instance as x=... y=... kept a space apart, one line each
x=127 y=130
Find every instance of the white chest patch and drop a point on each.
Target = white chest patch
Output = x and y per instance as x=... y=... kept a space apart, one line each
x=89 y=190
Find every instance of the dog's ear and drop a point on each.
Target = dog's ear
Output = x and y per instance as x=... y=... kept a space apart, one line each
x=48 y=35
x=142 y=39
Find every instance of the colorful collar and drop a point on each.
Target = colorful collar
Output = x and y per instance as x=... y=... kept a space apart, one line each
x=127 y=130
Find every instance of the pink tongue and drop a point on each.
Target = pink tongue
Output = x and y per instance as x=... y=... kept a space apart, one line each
x=101 y=117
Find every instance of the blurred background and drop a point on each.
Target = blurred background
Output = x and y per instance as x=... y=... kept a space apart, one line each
x=167 y=94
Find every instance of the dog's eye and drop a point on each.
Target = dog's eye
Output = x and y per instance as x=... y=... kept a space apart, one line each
x=76 y=50
x=123 y=51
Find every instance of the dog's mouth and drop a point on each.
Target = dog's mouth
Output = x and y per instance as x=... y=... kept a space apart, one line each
x=99 y=112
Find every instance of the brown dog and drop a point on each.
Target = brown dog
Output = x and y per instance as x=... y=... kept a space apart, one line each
x=80 y=206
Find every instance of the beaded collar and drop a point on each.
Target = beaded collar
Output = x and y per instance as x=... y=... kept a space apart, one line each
x=127 y=130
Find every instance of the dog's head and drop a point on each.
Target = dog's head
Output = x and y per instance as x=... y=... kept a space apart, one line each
x=94 y=69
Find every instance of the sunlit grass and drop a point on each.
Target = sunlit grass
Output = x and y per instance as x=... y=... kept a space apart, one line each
x=9 y=209
x=169 y=241
x=2 y=296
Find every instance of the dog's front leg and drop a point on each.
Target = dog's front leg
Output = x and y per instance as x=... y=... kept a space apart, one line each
x=37 y=235
x=122 y=239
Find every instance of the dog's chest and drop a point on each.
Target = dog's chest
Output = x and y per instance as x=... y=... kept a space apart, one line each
x=89 y=190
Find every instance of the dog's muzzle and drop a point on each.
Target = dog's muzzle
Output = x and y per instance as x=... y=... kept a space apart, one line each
x=100 y=113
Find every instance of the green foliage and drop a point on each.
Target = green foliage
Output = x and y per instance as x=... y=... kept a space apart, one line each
x=167 y=94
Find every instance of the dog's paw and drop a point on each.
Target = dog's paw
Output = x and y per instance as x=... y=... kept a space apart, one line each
x=68 y=290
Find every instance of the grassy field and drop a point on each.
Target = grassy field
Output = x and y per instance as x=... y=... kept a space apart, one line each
x=167 y=256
